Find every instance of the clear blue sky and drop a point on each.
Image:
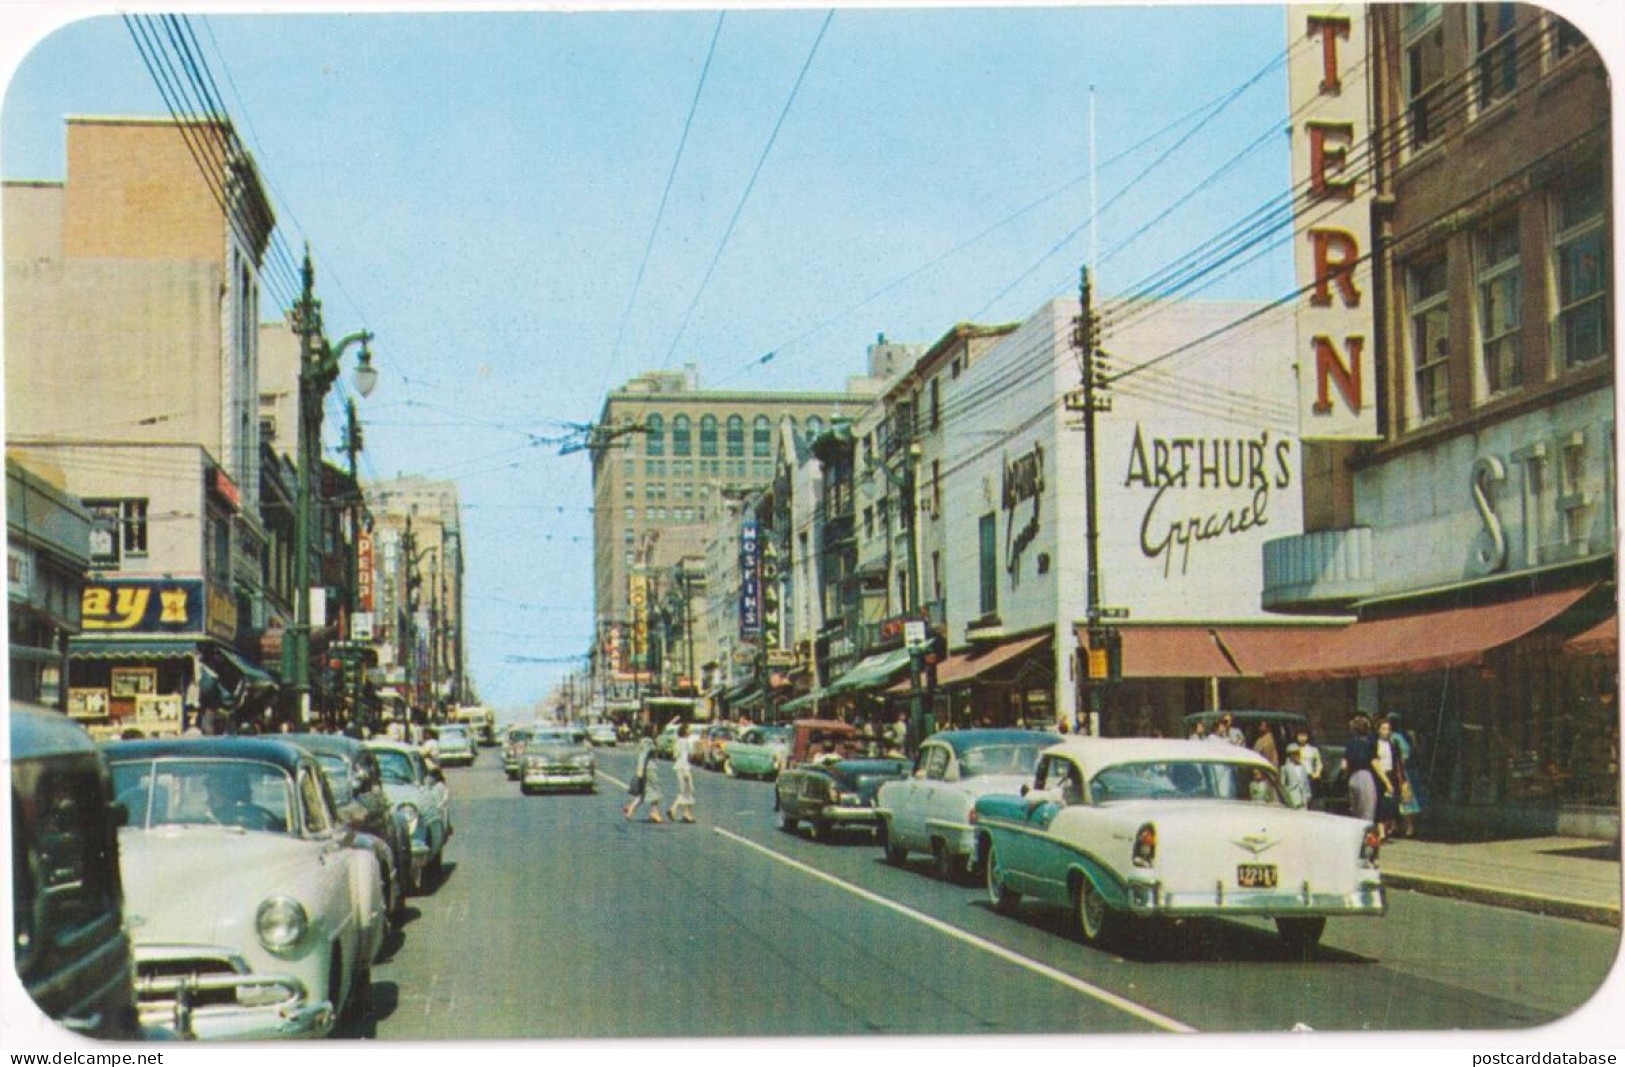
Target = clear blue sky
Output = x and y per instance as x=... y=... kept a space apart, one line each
x=479 y=188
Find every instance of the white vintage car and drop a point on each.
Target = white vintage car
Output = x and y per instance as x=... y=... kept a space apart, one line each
x=1116 y=828
x=930 y=811
x=252 y=912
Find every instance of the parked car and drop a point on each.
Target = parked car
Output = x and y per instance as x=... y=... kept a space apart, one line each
x=930 y=811
x=711 y=744
x=602 y=733
x=67 y=900
x=1116 y=828
x=455 y=745
x=759 y=752
x=512 y=746
x=358 y=796
x=252 y=912
x=826 y=783
x=666 y=740
x=1331 y=792
x=422 y=799
x=558 y=757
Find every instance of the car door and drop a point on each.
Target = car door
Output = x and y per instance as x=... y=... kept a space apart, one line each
x=1026 y=851
x=930 y=770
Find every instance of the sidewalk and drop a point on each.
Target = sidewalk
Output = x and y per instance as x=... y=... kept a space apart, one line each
x=1550 y=875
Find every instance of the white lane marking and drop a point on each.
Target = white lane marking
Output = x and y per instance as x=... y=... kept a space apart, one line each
x=1139 y=1011
x=617 y=781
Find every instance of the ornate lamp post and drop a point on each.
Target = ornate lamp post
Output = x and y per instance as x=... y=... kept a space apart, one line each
x=319 y=365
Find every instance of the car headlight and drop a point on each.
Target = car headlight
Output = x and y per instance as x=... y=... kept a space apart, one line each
x=281 y=923
x=412 y=815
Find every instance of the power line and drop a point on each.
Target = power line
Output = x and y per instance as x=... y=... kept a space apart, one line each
x=749 y=185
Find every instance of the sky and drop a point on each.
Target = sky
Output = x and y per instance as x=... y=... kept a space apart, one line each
x=479 y=189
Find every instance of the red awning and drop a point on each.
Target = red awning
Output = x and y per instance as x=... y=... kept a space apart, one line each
x=1425 y=641
x=1261 y=650
x=1601 y=640
x=965 y=666
x=1170 y=652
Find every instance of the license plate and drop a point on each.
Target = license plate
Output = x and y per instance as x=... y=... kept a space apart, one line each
x=1256 y=875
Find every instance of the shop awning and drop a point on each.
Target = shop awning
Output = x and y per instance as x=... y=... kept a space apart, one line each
x=961 y=668
x=870 y=672
x=251 y=674
x=1261 y=650
x=132 y=648
x=1601 y=640
x=1170 y=652
x=1426 y=640
x=804 y=702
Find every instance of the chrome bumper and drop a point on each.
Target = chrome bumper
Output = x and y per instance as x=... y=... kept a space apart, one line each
x=558 y=776
x=842 y=813
x=165 y=1006
x=1152 y=898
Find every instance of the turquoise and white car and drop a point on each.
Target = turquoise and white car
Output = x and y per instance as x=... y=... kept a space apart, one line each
x=759 y=752
x=1116 y=828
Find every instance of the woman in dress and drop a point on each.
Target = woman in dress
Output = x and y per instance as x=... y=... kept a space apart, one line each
x=683 y=767
x=1410 y=791
x=1360 y=757
x=645 y=782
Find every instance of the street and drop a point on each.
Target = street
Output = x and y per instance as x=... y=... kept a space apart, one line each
x=558 y=919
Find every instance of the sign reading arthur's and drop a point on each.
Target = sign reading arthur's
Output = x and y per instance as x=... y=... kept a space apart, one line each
x=1331 y=169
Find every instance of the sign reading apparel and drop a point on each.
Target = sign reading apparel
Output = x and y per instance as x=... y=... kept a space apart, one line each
x=1331 y=168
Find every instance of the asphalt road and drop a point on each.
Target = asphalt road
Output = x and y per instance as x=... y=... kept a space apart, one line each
x=559 y=919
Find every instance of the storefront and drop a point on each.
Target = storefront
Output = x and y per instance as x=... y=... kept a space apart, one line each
x=1001 y=685
x=47 y=551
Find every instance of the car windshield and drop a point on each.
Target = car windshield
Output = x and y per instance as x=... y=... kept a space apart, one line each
x=453 y=733
x=555 y=737
x=1185 y=780
x=1000 y=759
x=205 y=792
x=336 y=769
x=395 y=766
x=776 y=734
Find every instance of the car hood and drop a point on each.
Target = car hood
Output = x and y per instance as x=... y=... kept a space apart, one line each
x=163 y=868
x=399 y=793
x=558 y=751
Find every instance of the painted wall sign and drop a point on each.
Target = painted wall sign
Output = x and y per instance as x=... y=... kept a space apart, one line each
x=221 y=613
x=1203 y=489
x=1328 y=90
x=143 y=605
x=1023 y=484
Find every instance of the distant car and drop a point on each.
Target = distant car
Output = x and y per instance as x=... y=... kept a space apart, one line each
x=423 y=800
x=759 y=752
x=1116 y=828
x=455 y=745
x=602 y=733
x=711 y=744
x=512 y=746
x=70 y=945
x=253 y=916
x=558 y=757
x=358 y=796
x=930 y=811
x=826 y=784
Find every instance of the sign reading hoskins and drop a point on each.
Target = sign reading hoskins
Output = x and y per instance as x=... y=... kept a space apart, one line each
x=1330 y=178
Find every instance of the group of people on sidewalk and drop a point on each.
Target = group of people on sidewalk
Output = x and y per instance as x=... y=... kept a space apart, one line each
x=645 y=787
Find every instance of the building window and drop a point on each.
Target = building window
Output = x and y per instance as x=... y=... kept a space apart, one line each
x=654 y=468
x=631 y=514
x=217 y=548
x=869 y=521
x=118 y=529
x=630 y=555
x=936 y=488
x=936 y=404
x=936 y=573
x=1430 y=336
x=902 y=589
x=631 y=468
x=629 y=537
x=761 y=436
x=1581 y=267
x=1497 y=52
x=708 y=435
x=989 y=563
x=681 y=436
x=654 y=437
x=1563 y=38
x=736 y=435
x=631 y=491
x=1423 y=34
x=1499 y=287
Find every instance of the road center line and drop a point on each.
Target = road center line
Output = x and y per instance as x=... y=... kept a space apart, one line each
x=1044 y=970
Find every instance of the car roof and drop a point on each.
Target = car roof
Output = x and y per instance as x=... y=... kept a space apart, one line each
x=960 y=740
x=324 y=744
x=254 y=749
x=38 y=732
x=381 y=745
x=1208 y=718
x=1093 y=753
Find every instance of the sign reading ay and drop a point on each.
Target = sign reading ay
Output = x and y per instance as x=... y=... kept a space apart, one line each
x=142 y=605
x=1332 y=251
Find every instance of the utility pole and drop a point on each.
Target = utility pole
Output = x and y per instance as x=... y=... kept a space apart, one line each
x=1103 y=639
x=352 y=445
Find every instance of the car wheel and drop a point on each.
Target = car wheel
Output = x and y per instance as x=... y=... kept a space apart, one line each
x=786 y=822
x=896 y=855
x=1092 y=916
x=728 y=769
x=356 y=1008
x=397 y=900
x=943 y=862
x=819 y=830
x=524 y=790
x=437 y=867
x=1004 y=901
x=1300 y=936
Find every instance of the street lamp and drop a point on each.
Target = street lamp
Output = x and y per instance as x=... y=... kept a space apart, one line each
x=319 y=366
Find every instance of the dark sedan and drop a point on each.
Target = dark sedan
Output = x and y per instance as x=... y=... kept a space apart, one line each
x=358 y=798
x=827 y=795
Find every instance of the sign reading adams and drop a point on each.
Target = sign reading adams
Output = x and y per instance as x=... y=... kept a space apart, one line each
x=1332 y=250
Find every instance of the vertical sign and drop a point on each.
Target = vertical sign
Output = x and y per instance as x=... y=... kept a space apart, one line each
x=1331 y=169
x=637 y=598
x=363 y=571
x=750 y=581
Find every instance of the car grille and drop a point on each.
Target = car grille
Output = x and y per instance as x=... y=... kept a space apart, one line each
x=157 y=980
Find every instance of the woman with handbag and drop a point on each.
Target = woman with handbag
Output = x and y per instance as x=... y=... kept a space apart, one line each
x=645 y=785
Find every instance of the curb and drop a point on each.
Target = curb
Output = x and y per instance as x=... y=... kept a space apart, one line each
x=1600 y=914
